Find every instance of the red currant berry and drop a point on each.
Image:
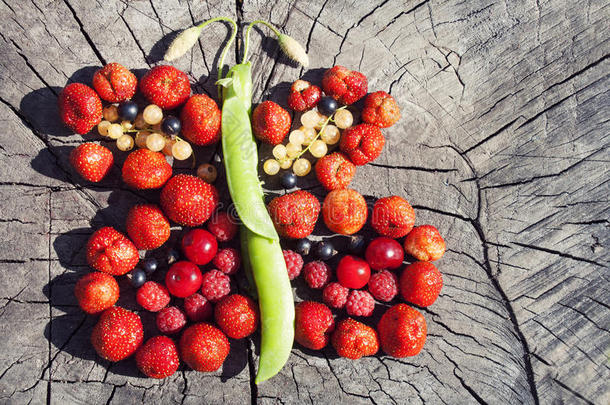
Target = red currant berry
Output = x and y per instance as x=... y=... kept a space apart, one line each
x=384 y=253
x=353 y=272
x=199 y=246
x=183 y=279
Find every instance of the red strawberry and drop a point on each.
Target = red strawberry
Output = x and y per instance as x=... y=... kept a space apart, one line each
x=165 y=86
x=303 y=96
x=96 y=292
x=313 y=324
x=91 y=161
x=188 y=200
x=203 y=347
x=421 y=283
x=117 y=334
x=152 y=296
x=425 y=243
x=111 y=252
x=145 y=169
x=402 y=331
x=115 y=83
x=158 y=357
x=353 y=339
x=200 y=118
x=393 y=217
x=344 y=211
x=294 y=215
x=335 y=171
x=270 y=122
x=147 y=226
x=236 y=315
x=344 y=85
x=362 y=143
x=80 y=108
x=380 y=109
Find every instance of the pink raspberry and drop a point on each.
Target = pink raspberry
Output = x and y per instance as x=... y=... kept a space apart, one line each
x=383 y=285
x=197 y=308
x=223 y=226
x=227 y=260
x=152 y=296
x=170 y=320
x=335 y=295
x=317 y=274
x=294 y=263
x=360 y=303
x=215 y=285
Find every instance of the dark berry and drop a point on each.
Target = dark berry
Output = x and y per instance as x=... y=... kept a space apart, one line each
x=171 y=125
x=327 y=105
x=356 y=244
x=172 y=256
x=303 y=246
x=150 y=265
x=128 y=110
x=137 y=277
x=289 y=180
x=324 y=250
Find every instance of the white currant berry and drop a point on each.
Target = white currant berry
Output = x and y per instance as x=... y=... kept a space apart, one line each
x=321 y=120
x=127 y=125
x=285 y=163
x=182 y=150
x=301 y=167
x=155 y=142
x=297 y=137
x=318 y=148
x=310 y=135
x=111 y=113
x=152 y=114
x=271 y=167
x=344 y=119
x=310 y=118
x=330 y=134
x=102 y=127
x=115 y=131
x=124 y=143
x=207 y=172
x=141 y=138
x=279 y=151
x=292 y=150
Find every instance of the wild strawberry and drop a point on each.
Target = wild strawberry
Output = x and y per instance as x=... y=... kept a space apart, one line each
x=335 y=295
x=96 y=292
x=111 y=252
x=80 y=108
x=144 y=169
x=236 y=315
x=353 y=339
x=215 y=285
x=170 y=320
x=344 y=211
x=362 y=143
x=227 y=260
x=380 y=109
x=294 y=215
x=313 y=324
x=393 y=217
x=152 y=296
x=188 y=200
x=425 y=243
x=200 y=119
x=360 y=303
x=270 y=122
x=165 y=86
x=147 y=226
x=223 y=226
x=197 y=308
x=115 y=83
x=158 y=357
x=91 y=161
x=317 y=274
x=383 y=285
x=117 y=334
x=335 y=171
x=303 y=96
x=421 y=283
x=344 y=85
x=294 y=263
x=402 y=331
x=203 y=347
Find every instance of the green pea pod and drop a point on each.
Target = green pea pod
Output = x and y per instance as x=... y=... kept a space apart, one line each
x=245 y=262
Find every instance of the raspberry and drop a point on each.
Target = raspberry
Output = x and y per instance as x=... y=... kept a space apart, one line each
x=152 y=296
x=215 y=285
x=335 y=295
x=223 y=226
x=317 y=274
x=227 y=260
x=170 y=320
x=360 y=303
x=383 y=285
x=294 y=263
x=197 y=308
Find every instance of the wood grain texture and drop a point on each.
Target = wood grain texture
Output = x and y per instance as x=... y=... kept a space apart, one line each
x=503 y=145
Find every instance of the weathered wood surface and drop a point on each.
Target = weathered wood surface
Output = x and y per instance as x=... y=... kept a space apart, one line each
x=503 y=145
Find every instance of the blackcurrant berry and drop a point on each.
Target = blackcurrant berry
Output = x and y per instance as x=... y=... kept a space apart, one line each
x=171 y=125
x=324 y=250
x=137 y=277
x=356 y=244
x=303 y=246
x=128 y=110
x=327 y=105
x=172 y=256
x=150 y=265
x=289 y=180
